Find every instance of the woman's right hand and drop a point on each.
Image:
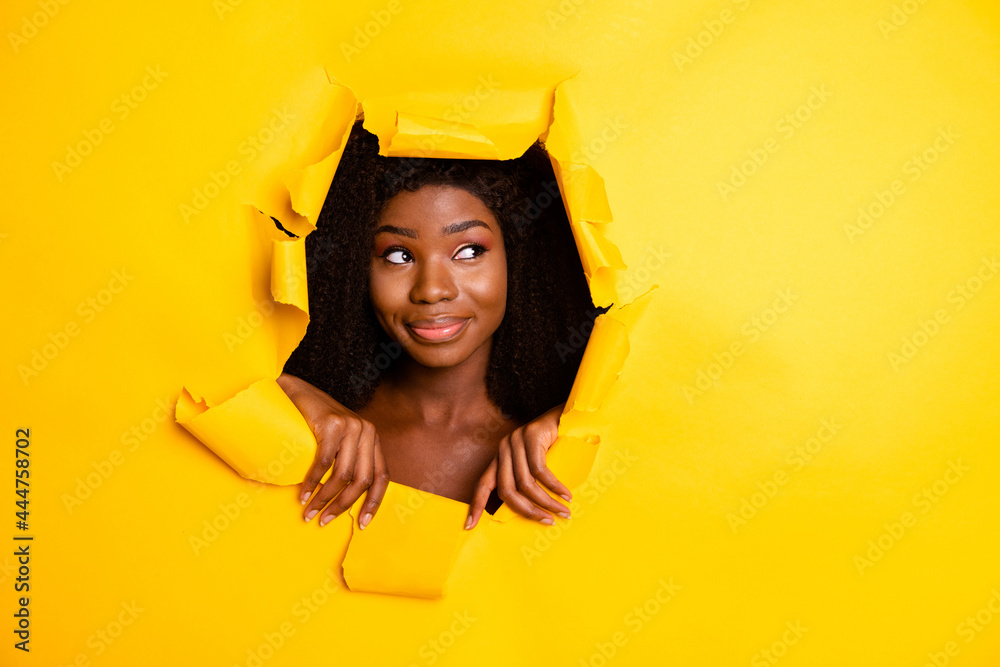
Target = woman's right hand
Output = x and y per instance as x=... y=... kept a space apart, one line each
x=345 y=441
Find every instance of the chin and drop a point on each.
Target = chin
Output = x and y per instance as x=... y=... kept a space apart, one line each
x=439 y=359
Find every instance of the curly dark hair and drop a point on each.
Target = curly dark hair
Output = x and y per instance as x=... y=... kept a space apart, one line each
x=549 y=315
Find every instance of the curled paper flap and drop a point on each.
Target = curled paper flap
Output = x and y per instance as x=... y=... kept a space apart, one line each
x=410 y=545
x=279 y=290
x=486 y=121
x=585 y=198
x=288 y=273
x=259 y=432
x=290 y=292
x=416 y=134
x=308 y=186
x=605 y=354
x=602 y=362
x=293 y=185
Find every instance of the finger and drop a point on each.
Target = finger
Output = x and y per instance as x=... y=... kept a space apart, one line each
x=343 y=471
x=487 y=482
x=376 y=492
x=526 y=483
x=328 y=439
x=364 y=472
x=508 y=488
x=536 y=449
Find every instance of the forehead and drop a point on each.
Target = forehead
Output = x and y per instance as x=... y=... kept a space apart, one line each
x=434 y=206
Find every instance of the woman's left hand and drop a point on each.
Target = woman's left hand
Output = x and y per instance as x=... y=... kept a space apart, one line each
x=518 y=468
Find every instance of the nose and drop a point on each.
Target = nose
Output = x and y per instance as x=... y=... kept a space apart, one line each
x=434 y=282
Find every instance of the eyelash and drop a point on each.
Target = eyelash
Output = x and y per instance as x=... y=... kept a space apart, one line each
x=391 y=249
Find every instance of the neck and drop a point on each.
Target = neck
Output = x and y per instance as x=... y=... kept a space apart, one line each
x=441 y=396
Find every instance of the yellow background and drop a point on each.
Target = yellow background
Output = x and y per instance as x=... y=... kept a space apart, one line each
x=563 y=594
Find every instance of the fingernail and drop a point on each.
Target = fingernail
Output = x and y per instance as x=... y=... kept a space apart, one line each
x=327 y=519
x=311 y=514
x=564 y=515
x=548 y=521
x=305 y=497
x=468 y=522
x=565 y=497
x=365 y=519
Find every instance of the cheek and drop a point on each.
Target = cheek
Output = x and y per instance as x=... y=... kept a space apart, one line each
x=491 y=291
x=385 y=292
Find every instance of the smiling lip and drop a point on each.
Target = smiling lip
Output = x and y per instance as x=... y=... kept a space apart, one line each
x=438 y=330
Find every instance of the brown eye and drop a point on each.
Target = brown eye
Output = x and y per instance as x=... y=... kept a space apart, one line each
x=397 y=255
x=470 y=251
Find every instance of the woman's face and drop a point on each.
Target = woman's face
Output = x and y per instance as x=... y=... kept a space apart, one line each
x=438 y=279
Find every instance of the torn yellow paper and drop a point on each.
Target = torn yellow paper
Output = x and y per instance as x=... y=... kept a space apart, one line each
x=290 y=292
x=602 y=362
x=571 y=457
x=307 y=186
x=788 y=458
x=259 y=432
x=604 y=356
x=585 y=199
x=245 y=430
x=292 y=186
x=486 y=121
x=409 y=546
x=416 y=135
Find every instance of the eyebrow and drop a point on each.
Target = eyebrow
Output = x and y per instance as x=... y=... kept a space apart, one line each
x=447 y=230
